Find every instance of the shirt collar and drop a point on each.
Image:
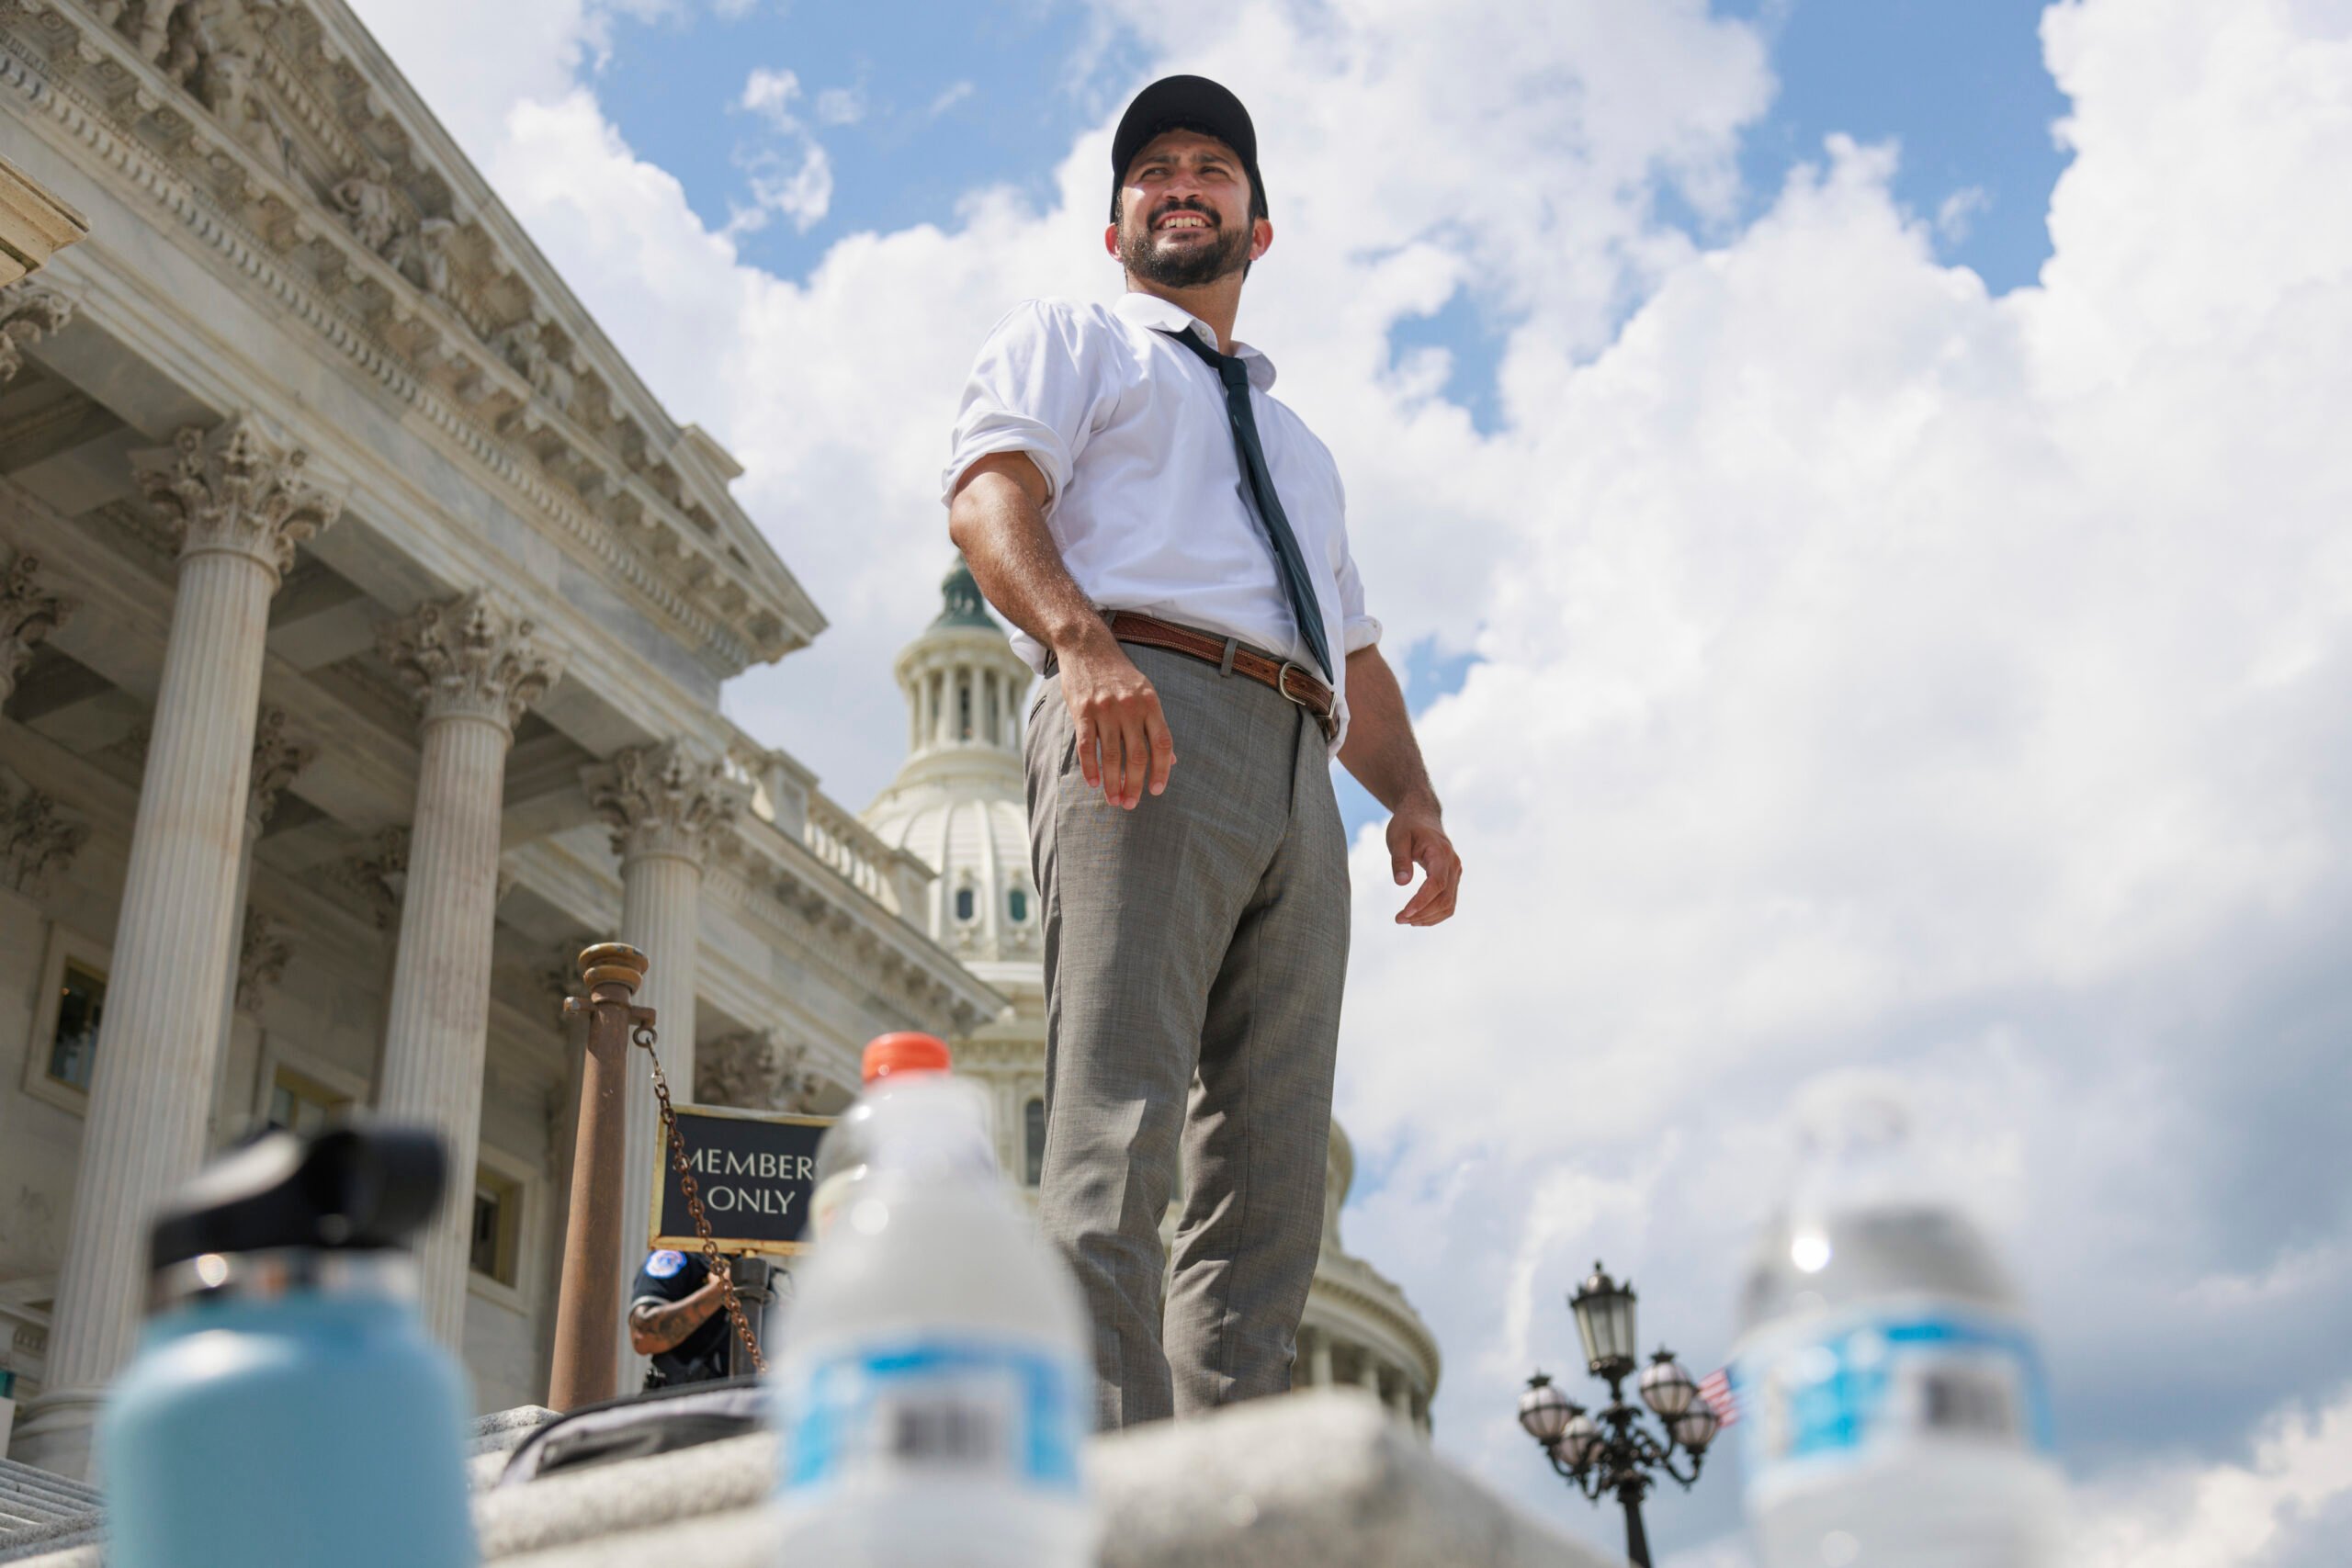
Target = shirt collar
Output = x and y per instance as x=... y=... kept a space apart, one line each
x=1164 y=315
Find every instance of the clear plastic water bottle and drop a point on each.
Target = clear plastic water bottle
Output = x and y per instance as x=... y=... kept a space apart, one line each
x=936 y=1390
x=891 y=1061
x=286 y=1405
x=1891 y=1397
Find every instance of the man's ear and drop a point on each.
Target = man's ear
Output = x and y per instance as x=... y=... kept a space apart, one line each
x=1111 y=241
x=1261 y=238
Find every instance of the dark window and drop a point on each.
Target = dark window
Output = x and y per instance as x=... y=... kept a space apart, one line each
x=483 y=1252
x=962 y=903
x=963 y=710
x=74 y=1049
x=1032 y=1117
x=1018 y=902
x=493 y=1247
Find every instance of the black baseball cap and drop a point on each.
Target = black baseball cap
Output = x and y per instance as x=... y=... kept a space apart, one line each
x=1190 y=101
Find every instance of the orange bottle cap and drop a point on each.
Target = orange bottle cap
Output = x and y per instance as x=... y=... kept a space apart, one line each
x=906 y=1052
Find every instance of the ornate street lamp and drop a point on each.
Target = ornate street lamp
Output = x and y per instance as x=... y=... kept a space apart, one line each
x=1610 y=1450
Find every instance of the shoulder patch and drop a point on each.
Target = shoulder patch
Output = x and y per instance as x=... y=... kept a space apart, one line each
x=663 y=1264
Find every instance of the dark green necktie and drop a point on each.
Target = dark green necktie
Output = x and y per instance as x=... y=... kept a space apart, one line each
x=1301 y=588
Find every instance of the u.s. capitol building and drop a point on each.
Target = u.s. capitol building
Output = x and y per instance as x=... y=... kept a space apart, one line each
x=363 y=619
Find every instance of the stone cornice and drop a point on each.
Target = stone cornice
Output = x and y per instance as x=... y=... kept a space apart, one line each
x=34 y=225
x=427 y=327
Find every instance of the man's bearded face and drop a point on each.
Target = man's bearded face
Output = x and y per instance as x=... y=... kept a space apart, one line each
x=1181 y=228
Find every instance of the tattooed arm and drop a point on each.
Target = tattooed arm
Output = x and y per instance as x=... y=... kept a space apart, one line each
x=656 y=1326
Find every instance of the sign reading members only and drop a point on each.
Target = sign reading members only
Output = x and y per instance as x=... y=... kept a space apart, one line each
x=755 y=1170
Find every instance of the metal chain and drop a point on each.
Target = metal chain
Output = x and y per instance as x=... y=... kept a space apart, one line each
x=642 y=1035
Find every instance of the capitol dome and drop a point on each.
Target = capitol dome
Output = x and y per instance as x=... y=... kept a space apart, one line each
x=959 y=799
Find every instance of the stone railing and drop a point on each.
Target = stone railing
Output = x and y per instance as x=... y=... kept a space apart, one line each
x=24 y=1343
x=843 y=842
x=785 y=795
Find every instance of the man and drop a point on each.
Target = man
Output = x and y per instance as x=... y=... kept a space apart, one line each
x=677 y=1315
x=1171 y=545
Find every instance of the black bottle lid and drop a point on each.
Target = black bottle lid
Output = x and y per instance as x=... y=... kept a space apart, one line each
x=348 y=1189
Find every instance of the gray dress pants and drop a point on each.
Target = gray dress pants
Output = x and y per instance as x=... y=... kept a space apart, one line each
x=1195 y=948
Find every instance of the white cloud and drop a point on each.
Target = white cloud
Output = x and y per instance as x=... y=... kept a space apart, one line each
x=954 y=93
x=793 y=175
x=840 y=105
x=1957 y=214
x=2185 y=1516
x=769 y=93
x=1874 y=670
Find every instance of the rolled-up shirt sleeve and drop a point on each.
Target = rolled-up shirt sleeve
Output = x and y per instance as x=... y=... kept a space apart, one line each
x=1357 y=629
x=1032 y=389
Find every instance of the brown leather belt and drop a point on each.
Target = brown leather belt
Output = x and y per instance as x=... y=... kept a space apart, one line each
x=1232 y=657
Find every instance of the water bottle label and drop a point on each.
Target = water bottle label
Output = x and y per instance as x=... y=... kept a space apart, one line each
x=1823 y=1395
x=968 y=1407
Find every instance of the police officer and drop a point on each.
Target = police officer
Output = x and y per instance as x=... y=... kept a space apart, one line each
x=677 y=1315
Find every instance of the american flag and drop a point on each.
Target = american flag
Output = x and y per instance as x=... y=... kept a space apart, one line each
x=1715 y=1389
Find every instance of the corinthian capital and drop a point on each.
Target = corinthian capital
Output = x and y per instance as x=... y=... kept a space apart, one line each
x=38 y=840
x=475 y=656
x=666 y=799
x=277 y=757
x=233 y=488
x=28 y=613
x=28 y=313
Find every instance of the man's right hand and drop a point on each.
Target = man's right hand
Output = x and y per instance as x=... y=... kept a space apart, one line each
x=998 y=520
x=1117 y=713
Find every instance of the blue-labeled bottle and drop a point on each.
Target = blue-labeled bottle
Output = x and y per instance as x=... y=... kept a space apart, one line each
x=286 y=1405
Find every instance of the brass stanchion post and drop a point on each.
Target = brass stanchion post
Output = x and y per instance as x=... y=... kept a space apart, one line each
x=588 y=1303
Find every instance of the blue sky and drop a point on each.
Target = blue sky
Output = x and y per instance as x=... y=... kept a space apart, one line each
x=1882 y=673
x=916 y=103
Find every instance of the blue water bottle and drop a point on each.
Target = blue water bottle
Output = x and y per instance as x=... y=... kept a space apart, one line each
x=285 y=1406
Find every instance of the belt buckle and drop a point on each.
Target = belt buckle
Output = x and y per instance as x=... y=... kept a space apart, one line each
x=1325 y=721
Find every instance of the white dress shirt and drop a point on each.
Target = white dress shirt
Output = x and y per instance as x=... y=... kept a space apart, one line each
x=1148 y=503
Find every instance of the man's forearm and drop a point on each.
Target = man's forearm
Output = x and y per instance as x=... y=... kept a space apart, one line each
x=1000 y=524
x=998 y=520
x=1380 y=749
x=654 y=1329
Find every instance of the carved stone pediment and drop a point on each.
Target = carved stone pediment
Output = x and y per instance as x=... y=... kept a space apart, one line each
x=280 y=135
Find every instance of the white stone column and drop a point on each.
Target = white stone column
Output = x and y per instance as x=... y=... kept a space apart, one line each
x=1400 y=1402
x=474 y=664
x=1368 y=1374
x=1319 y=1361
x=238 y=504
x=669 y=805
x=277 y=758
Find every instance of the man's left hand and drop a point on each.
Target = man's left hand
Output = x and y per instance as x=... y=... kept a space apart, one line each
x=1417 y=837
